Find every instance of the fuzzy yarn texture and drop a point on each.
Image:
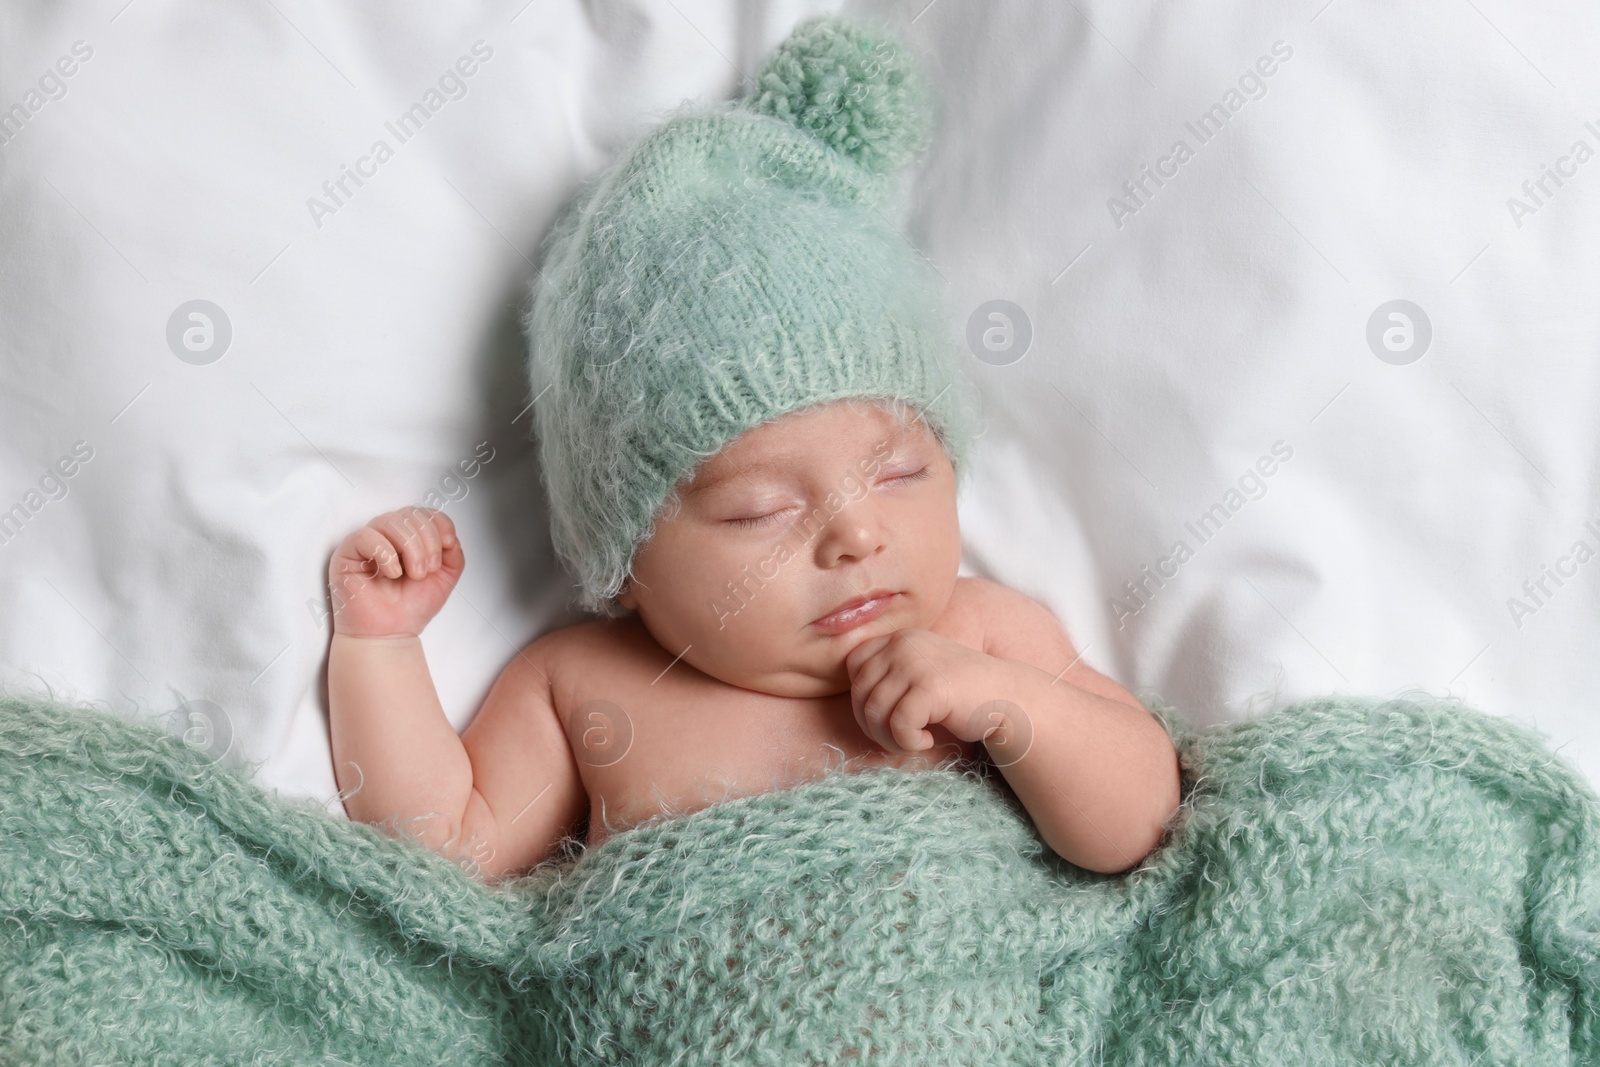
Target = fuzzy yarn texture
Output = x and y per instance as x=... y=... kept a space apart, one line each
x=737 y=262
x=1347 y=881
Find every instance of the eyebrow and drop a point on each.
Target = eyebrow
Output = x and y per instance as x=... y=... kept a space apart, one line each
x=897 y=437
x=716 y=480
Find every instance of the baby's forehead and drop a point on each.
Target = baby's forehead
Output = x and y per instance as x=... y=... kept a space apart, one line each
x=792 y=443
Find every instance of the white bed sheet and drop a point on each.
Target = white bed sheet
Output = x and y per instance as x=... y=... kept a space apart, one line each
x=1182 y=335
x=1175 y=339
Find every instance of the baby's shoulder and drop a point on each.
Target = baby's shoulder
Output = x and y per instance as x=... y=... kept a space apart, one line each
x=970 y=604
x=990 y=614
x=968 y=592
x=578 y=639
x=572 y=658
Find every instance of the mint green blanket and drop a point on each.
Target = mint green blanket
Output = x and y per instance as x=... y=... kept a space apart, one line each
x=1348 y=881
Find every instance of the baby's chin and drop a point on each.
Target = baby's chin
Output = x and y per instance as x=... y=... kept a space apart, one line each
x=813 y=664
x=796 y=683
x=803 y=673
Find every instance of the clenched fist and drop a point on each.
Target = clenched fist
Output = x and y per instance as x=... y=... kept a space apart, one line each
x=903 y=682
x=395 y=573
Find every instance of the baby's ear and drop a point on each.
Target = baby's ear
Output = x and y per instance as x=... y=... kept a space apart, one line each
x=625 y=595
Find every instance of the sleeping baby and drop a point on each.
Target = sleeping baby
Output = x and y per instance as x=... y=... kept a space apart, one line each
x=752 y=429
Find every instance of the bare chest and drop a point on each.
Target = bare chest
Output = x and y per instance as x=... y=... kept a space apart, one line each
x=649 y=738
x=676 y=750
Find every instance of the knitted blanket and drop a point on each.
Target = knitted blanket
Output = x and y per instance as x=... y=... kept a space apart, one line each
x=1348 y=881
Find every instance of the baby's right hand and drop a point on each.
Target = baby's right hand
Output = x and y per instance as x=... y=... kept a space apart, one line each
x=395 y=573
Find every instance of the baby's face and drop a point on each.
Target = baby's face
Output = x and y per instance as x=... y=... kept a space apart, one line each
x=786 y=523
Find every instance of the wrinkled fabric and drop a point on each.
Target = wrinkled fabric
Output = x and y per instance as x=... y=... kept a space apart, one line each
x=1346 y=881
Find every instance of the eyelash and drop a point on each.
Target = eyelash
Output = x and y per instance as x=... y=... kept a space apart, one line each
x=766 y=520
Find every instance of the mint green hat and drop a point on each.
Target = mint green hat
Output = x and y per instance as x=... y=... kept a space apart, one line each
x=735 y=264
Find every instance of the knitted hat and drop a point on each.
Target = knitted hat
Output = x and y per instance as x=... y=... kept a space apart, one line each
x=733 y=265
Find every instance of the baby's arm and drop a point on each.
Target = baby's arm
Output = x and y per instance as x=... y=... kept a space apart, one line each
x=398 y=761
x=1096 y=771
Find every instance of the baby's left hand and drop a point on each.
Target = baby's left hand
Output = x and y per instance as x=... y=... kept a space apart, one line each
x=902 y=682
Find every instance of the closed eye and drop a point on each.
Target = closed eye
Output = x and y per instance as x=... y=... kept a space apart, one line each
x=913 y=476
x=760 y=520
x=772 y=517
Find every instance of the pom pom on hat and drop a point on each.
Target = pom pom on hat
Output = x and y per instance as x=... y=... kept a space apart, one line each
x=860 y=93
